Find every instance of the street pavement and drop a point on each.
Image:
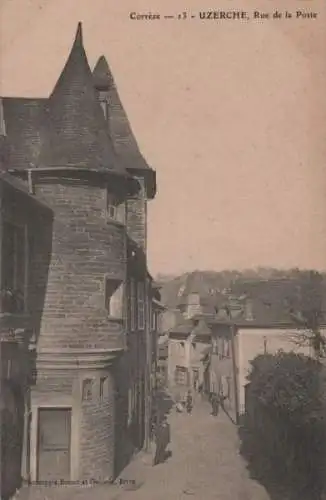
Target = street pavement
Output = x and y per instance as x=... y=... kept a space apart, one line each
x=204 y=464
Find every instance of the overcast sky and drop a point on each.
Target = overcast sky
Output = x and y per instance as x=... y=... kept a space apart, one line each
x=232 y=115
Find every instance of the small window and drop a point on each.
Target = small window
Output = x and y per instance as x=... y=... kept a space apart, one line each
x=112 y=204
x=87 y=390
x=154 y=320
x=181 y=375
x=102 y=388
x=130 y=405
x=227 y=348
x=113 y=297
x=141 y=306
x=104 y=106
x=132 y=305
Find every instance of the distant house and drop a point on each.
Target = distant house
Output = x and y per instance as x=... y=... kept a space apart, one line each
x=188 y=343
x=162 y=359
x=264 y=324
x=261 y=338
x=253 y=317
x=179 y=355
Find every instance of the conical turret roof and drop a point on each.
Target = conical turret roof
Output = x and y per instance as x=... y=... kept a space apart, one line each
x=79 y=135
x=125 y=144
x=102 y=75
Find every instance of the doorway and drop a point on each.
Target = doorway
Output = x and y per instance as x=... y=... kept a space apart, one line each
x=54 y=443
x=12 y=421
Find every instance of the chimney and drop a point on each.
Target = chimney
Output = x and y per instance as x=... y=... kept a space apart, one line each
x=248 y=310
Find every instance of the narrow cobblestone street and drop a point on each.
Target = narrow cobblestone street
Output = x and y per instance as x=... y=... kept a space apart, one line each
x=205 y=464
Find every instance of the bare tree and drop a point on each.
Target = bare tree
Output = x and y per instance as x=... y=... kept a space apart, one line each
x=307 y=312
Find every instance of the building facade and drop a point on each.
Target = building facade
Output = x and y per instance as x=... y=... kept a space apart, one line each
x=162 y=360
x=187 y=345
x=88 y=408
x=25 y=224
x=252 y=340
x=222 y=367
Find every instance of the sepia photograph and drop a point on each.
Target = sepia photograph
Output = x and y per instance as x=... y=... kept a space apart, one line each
x=163 y=250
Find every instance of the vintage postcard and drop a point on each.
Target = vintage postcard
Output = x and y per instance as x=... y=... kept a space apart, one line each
x=163 y=249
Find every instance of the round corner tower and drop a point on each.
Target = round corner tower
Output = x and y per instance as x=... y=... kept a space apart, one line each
x=81 y=322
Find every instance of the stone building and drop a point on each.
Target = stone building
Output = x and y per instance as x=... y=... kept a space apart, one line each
x=89 y=404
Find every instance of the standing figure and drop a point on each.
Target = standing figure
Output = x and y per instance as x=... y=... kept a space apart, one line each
x=215 y=404
x=162 y=441
x=189 y=404
x=158 y=443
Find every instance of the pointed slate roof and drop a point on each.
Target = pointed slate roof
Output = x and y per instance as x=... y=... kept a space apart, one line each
x=68 y=129
x=124 y=141
x=79 y=133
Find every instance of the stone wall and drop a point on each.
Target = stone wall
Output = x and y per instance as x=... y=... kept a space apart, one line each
x=137 y=218
x=97 y=430
x=86 y=248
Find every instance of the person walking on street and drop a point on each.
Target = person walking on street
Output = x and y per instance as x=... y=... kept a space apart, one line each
x=158 y=443
x=162 y=441
x=189 y=402
x=215 y=404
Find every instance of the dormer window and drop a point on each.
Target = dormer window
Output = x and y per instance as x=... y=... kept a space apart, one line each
x=112 y=204
x=104 y=105
x=115 y=207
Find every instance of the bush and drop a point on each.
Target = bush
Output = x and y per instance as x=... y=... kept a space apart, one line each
x=289 y=385
x=287 y=396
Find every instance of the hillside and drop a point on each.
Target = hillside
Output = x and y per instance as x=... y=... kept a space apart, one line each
x=213 y=282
